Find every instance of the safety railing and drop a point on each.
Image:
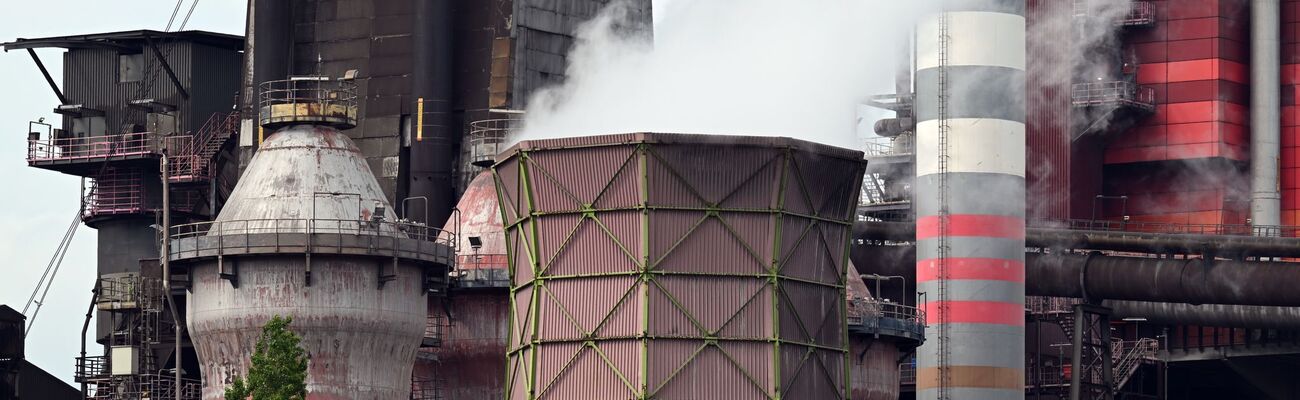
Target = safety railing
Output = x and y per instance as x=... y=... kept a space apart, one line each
x=875 y=315
x=115 y=192
x=90 y=368
x=191 y=156
x=482 y=270
x=426 y=388
x=1044 y=305
x=146 y=386
x=1119 y=93
x=55 y=148
x=1131 y=355
x=434 y=325
x=1123 y=225
x=381 y=230
x=907 y=373
x=133 y=292
x=487 y=138
x=878 y=146
x=1048 y=376
x=1141 y=13
x=309 y=99
x=305 y=225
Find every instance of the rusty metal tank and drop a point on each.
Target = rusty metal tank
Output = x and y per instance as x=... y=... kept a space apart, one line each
x=470 y=363
x=308 y=233
x=677 y=266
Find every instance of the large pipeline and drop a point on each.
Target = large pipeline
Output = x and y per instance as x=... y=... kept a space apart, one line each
x=1166 y=280
x=1152 y=243
x=1158 y=290
x=1220 y=315
x=1190 y=281
x=436 y=142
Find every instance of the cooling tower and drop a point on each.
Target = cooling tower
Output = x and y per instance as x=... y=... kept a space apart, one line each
x=677 y=266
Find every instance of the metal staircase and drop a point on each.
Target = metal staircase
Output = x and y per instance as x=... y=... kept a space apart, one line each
x=1129 y=356
x=192 y=156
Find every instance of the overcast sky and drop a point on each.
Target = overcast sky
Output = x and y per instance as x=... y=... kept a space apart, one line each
x=36 y=205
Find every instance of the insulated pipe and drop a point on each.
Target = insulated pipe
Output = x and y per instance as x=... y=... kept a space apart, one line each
x=1153 y=243
x=970 y=199
x=1218 y=315
x=1237 y=316
x=1193 y=281
x=1165 y=280
x=1265 y=113
x=435 y=141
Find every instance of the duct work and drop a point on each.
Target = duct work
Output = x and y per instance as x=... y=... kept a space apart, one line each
x=970 y=204
x=436 y=140
x=621 y=245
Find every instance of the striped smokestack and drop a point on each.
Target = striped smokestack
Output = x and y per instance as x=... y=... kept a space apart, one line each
x=970 y=199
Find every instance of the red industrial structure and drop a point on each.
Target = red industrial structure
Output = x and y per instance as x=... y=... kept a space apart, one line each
x=1142 y=116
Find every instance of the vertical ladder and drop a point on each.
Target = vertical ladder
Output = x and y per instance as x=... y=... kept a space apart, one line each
x=945 y=380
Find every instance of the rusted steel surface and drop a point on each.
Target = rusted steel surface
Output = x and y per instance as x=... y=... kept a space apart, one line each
x=361 y=315
x=875 y=369
x=471 y=363
x=677 y=266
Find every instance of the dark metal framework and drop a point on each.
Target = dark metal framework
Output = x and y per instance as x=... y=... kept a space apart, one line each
x=642 y=262
x=1092 y=375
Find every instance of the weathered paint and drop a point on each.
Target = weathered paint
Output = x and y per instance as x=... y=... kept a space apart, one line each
x=677 y=266
x=875 y=368
x=361 y=341
x=471 y=363
x=361 y=337
x=304 y=172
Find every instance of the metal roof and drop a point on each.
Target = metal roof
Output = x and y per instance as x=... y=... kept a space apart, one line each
x=126 y=40
x=10 y=315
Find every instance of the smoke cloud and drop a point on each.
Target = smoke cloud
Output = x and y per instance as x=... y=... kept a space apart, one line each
x=739 y=67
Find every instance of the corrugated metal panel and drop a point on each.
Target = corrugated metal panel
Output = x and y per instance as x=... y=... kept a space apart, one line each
x=1047 y=130
x=701 y=280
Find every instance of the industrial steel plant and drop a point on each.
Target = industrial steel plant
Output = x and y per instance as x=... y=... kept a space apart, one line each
x=1062 y=199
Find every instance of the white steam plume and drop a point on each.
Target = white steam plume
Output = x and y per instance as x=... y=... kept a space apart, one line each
x=742 y=67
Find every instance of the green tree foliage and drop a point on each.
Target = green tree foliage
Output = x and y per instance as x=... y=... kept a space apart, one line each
x=279 y=370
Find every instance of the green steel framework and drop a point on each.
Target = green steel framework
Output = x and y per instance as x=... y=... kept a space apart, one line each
x=523 y=248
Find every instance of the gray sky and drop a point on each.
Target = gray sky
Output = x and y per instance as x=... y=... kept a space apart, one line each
x=37 y=205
